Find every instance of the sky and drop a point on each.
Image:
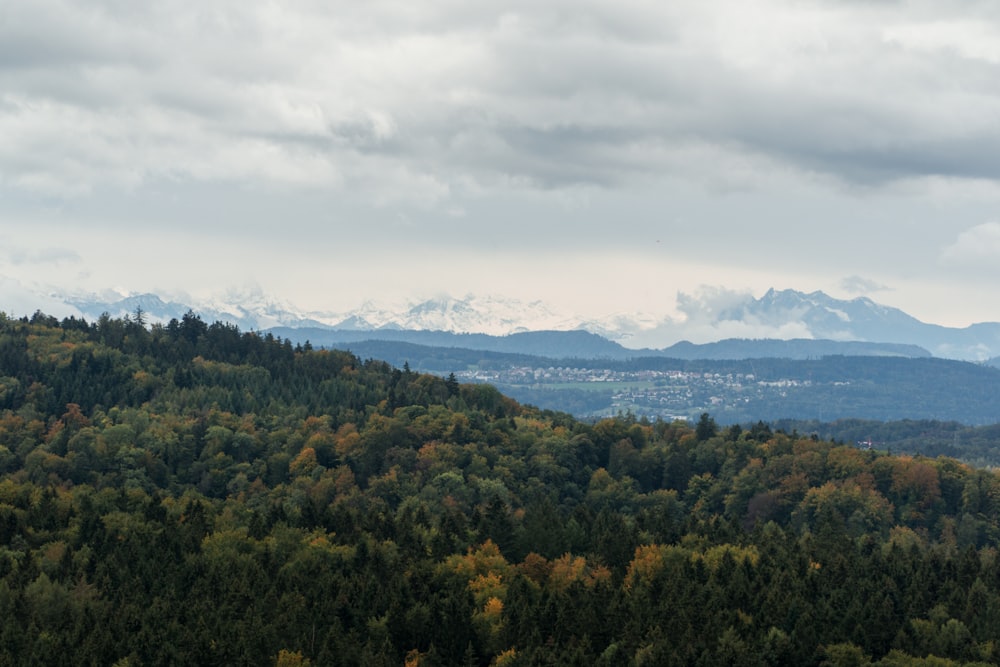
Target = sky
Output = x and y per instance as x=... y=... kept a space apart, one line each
x=599 y=155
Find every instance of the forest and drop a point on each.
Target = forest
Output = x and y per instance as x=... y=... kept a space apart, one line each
x=190 y=494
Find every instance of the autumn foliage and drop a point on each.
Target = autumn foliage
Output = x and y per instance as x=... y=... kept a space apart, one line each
x=192 y=494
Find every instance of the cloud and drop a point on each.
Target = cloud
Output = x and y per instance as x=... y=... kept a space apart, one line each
x=20 y=300
x=860 y=285
x=712 y=313
x=21 y=256
x=967 y=38
x=709 y=304
x=806 y=137
x=976 y=248
x=546 y=96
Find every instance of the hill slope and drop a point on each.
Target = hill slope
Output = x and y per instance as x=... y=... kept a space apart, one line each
x=191 y=494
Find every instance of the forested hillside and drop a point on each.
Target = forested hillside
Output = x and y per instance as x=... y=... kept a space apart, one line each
x=977 y=445
x=192 y=494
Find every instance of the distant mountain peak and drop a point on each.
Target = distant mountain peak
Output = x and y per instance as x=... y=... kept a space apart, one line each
x=778 y=314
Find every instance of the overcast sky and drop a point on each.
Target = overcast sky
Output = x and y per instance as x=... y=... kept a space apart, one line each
x=601 y=155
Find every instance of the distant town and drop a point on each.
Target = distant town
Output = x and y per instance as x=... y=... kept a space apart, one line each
x=665 y=394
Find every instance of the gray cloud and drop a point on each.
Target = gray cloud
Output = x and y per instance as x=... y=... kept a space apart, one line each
x=45 y=256
x=551 y=96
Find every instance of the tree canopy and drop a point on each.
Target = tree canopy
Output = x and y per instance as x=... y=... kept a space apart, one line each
x=193 y=494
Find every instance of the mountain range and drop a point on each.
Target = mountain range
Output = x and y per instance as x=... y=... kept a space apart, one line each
x=811 y=323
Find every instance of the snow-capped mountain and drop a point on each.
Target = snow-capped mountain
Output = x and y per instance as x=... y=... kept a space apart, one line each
x=154 y=308
x=777 y=308
x=251 y=309
x=701 y=318
x=473 y=314
x=247 y=308
x=824 y=316
x=860 y=319
x=717 y=315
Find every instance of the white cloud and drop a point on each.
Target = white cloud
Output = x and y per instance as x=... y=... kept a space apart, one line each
x=967 y=38
x=20 y=299
x=710 y=313
x=861 y=285
x=708 y=304
x=976 y=248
